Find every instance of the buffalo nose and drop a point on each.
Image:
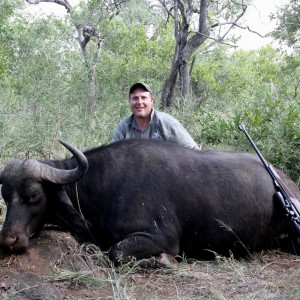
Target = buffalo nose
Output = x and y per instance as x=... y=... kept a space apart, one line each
x=9 y=241
x=14 y=242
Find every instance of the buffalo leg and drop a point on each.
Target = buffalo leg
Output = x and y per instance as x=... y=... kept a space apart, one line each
x=141 y=246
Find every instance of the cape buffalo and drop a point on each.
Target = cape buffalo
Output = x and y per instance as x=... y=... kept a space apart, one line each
x=141 y=198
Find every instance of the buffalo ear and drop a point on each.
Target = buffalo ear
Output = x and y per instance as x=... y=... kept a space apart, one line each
x=64 y=214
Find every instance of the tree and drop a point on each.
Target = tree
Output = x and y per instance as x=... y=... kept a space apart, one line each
x=7 y=10
x=184 y=48
x=219 y=16
x=287 y=32
x=131 y=53
x=88 y=26
x=194 y=23
x=288 y=25
x=36 y=83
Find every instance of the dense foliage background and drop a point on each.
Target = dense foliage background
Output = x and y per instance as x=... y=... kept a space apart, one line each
x=45 y=84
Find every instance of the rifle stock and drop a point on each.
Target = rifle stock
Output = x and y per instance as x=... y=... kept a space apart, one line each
x=289 y=202
x=281 y=184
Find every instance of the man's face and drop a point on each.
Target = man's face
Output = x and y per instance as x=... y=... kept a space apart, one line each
x=141 y=102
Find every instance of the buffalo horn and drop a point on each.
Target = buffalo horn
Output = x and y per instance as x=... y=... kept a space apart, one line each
x=61 y=176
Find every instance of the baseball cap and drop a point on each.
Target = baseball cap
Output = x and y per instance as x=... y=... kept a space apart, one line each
x=142 y=85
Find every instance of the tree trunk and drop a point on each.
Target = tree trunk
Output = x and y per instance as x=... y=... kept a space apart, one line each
x=184 y=49
x=169 y=88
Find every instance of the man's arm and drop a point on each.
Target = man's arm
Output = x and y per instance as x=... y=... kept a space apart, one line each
x=174 y=131
x=184 y=138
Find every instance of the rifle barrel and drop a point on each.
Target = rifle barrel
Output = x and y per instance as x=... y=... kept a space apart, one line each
x=242 y=128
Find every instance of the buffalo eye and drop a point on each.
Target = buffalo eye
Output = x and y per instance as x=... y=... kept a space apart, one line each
x=34 y=197
x=30 y=196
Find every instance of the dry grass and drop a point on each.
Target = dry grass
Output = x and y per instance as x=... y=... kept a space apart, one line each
x=268 y=275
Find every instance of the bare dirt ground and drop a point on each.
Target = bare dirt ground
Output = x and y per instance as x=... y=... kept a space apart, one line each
x=56 y=267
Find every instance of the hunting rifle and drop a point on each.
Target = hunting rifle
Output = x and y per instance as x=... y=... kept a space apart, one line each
x=289 y=202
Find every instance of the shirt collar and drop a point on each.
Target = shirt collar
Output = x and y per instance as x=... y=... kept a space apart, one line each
x=133 y=123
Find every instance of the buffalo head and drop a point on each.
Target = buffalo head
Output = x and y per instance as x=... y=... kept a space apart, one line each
x=27 y=186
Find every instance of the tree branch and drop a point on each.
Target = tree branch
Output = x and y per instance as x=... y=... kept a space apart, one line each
x=164 y=5
x=233 y=23
x=248 y=28
x=64 y=3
